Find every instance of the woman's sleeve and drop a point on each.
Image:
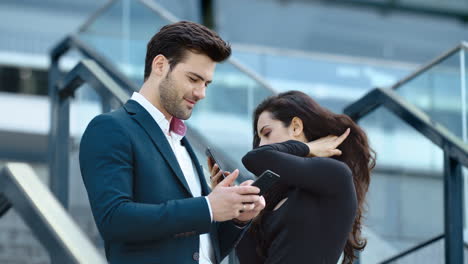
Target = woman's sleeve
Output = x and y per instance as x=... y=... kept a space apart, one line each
x=289 y=160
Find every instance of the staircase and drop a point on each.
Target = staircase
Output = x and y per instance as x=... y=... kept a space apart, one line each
x=415 y=199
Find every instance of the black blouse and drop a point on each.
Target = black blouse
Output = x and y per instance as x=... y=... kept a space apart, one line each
x=312 y=226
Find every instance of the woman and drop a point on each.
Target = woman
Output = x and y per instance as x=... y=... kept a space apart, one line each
x=313 y=214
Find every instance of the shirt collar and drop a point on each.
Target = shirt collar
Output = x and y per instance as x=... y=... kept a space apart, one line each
x=159 y=117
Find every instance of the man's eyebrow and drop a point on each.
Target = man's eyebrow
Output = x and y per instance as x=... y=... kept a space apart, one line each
x=200 y=77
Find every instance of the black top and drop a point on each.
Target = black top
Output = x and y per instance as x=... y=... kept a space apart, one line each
x=314 y=223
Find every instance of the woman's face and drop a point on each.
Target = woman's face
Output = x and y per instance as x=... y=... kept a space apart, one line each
x=272 y=131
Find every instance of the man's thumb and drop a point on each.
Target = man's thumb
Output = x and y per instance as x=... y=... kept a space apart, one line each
x=230 y=179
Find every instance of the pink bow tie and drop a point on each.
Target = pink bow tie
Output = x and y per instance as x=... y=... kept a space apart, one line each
x=177 y=126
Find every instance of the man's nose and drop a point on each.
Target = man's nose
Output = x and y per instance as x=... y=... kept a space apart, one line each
x=199 y=92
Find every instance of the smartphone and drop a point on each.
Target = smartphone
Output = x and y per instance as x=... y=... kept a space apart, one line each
x=265 y=181
x=210 y=154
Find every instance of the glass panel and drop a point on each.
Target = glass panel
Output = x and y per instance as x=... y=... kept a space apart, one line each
x=333 y=82
x=184 y=9
x=441 y=93
x=121 y=33
x=408 y=167
x=438 y=93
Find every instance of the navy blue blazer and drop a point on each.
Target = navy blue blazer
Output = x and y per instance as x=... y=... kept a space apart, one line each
x=139 y=197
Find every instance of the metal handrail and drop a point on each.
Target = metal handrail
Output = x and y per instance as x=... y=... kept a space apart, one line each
x=170 y=18
x=413 y=116
x=413 y=249
x=57 y=163
x=95 y=15
x=46 y=218
x=5 y=205
x=72 y=41
x=90 y=72
x=429 y=65
x=455 y=155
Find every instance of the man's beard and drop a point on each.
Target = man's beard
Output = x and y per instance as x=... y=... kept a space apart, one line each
x=170 y=99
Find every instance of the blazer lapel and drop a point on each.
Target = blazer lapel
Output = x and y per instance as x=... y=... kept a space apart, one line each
x=205 y=191
x=201 y=175
x=147 y=122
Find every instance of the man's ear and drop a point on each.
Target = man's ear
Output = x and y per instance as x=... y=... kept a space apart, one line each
x=297 y=126
x=160 y=65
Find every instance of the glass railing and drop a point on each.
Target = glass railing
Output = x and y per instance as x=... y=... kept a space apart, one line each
x=405 y=199
x=439 y=89
x=334 y=81
x=412 y=205
x=120 y=33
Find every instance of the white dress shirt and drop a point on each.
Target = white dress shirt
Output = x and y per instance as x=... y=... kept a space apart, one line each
x=187 y=166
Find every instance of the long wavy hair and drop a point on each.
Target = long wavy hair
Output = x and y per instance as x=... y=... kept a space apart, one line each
x=319 y=122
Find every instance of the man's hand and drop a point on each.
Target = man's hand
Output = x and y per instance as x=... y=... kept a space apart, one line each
x=216 y=174
x=252 y=210
x=227 y=201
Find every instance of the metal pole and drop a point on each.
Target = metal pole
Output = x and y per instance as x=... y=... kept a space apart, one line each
x=207 y=12
x=58 y=136
x=105 y=104
x=453 y=210
x=61 y=151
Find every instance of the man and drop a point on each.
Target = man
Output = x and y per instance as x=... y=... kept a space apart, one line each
x=146 y=188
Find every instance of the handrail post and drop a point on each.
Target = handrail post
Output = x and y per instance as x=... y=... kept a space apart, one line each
x=453 y=210
x=59 y=135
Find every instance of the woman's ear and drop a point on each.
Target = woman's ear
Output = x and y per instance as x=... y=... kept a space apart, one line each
x=297 y=127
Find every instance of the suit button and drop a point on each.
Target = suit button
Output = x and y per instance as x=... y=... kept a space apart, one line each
x=196 y=256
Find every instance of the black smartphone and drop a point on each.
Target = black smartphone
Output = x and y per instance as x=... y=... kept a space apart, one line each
x=265 y=181
x=210 y=154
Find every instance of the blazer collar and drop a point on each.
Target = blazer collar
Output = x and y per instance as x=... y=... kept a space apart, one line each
x=201 y=175
x=146 y=121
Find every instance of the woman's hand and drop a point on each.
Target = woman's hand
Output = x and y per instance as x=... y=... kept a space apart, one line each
x=216 y=174
x=327 y=146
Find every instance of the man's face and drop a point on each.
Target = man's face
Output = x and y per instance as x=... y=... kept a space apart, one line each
x=185 y=84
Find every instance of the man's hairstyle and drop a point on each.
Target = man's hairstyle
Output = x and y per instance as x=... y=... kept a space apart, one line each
x=174 y=40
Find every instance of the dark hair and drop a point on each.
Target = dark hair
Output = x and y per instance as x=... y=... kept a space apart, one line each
x=174 y=40
x=320 y=122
